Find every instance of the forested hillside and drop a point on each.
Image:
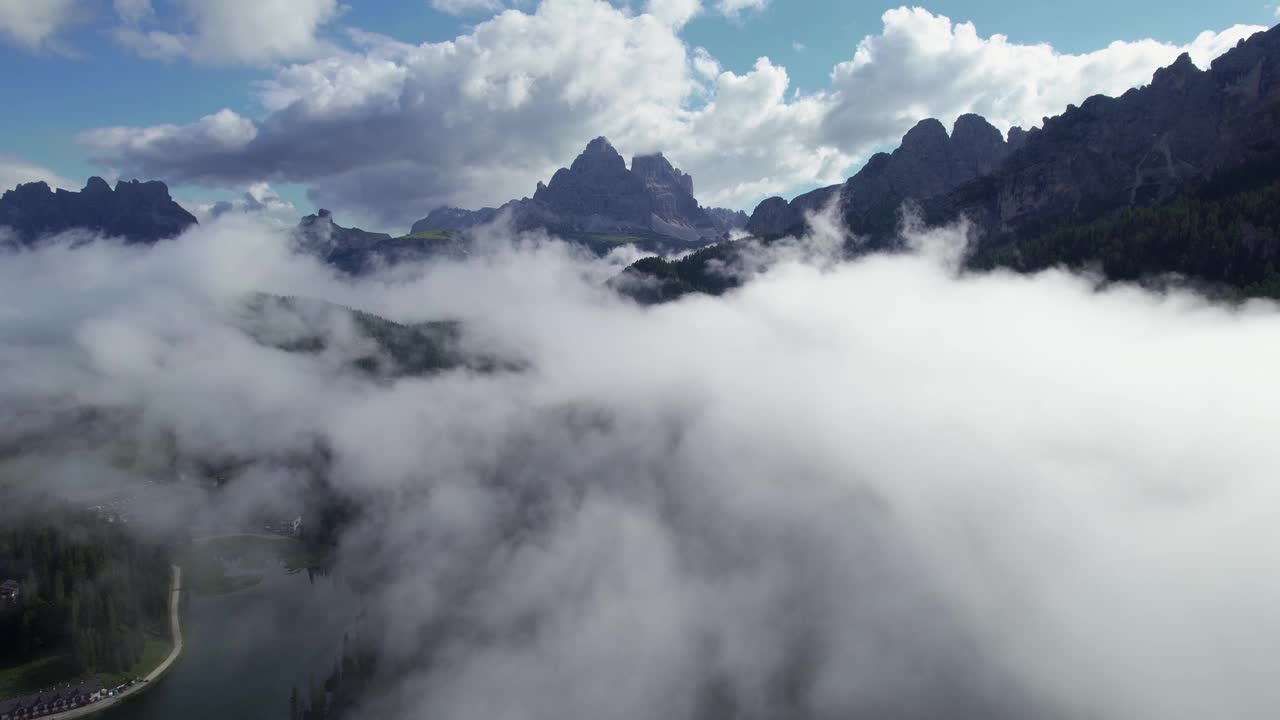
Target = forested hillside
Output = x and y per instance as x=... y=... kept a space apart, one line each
x=88 y=592
x=1226 y=233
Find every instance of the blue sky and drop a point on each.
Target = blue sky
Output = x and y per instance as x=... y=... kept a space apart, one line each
x=83 y=78
x=830 y=29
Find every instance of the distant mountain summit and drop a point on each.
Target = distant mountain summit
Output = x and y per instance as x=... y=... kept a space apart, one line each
x=357 y=251
x=320 y=234
x=598 y=196
x=928 y=163
x=452 y=218
x=727 y=221
x=1185 y=127
x=139 y=212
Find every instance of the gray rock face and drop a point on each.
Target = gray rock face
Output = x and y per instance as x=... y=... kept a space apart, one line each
x=597 y=183
x=1018 y=137
x=1186 y=125
x=978 y=147
x=1141 y=148
x=814 y=200
x=929 y=163
x=1188 y=132
x=599 y=194
x=138 y=212
x=727 y=221
x=357 y=251
x=670 y=193
x=353 y=250
x=773 y=216
x=319 y=232
x=451 y=218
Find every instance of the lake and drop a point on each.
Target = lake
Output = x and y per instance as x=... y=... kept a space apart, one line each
x=245 y=650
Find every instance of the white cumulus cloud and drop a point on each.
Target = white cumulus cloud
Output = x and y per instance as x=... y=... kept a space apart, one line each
x=463 y=7
x=251 y=32
x=392 y=130
x=35 y=23
x=926 y=65
x=736 y=7
x=15 y=171
x=675 y=12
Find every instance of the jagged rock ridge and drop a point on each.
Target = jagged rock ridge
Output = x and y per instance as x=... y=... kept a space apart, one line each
x=138 y=212
x=1151 y=143
x=599 y=194
x=1183 y=149
x=452 y=218
x=357 y=251
x=928 y=163
x=727 y=221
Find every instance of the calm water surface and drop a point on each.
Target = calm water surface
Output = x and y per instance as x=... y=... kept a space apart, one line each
x=245 y=651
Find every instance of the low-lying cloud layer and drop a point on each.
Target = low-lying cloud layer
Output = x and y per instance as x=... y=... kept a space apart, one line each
x=870 y=489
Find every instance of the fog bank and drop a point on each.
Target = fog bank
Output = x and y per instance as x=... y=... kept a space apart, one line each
x=877 y=488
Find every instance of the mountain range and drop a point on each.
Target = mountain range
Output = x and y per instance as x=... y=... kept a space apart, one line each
x=597 y=202
x=652 y=202
x=928 y=163
x=356 y=251
x=1176 y=179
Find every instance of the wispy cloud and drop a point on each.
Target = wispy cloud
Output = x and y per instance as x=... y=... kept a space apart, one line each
x=36 y=25
x=14 y=171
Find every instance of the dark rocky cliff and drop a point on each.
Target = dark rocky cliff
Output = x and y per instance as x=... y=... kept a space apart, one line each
x=138 y=212
x=599 y=195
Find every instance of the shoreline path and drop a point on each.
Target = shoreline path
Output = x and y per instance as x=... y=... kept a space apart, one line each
x=175 y=625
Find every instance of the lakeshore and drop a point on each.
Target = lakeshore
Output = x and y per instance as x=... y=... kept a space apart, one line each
x=247 y=647
x=113 y=696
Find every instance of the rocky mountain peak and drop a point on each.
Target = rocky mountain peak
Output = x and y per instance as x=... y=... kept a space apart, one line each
x=452 y=218
x=96 y=186
x=599 y=194
x=29 y=190
x=1017 y=136
x=656 y=169
x=152 y=191
x=319 y=234
x=928 y=135
x=599 y=156
x=773 y=216
x=136 y=211
x=977 y=145
x=600 y=146
x=973 y=131
x=726 y=220
x=1177 y=75
x=928 y=163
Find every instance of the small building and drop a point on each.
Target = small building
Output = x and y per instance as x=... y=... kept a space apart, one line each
x=9 y=590
x=60 y=699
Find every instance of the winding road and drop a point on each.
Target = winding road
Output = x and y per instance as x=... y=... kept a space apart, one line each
x=175 y=625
